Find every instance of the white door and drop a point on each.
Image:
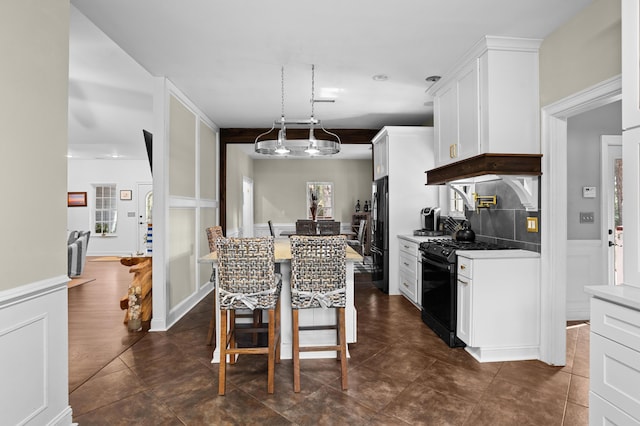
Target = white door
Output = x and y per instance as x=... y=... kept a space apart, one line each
x=247 y=207
x=145 y=204
x=612 y=231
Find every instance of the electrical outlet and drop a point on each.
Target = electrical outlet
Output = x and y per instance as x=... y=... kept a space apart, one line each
x=586 y=217
x=532 y=224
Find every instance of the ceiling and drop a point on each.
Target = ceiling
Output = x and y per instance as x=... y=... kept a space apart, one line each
x=226 y=57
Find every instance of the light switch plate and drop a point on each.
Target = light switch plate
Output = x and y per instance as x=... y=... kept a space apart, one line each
x=532 y=224
x=587 y=217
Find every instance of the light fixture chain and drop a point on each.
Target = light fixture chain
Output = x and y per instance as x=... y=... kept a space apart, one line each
x=282 y=85
x=313 y=83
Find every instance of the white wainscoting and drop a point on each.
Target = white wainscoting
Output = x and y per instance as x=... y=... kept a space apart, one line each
x=34 y=349
x=585 y=266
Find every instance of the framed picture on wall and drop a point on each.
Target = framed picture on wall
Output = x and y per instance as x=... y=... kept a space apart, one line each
x=76 y=199
x=125 y=194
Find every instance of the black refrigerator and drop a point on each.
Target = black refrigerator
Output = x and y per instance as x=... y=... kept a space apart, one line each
x=380 y=233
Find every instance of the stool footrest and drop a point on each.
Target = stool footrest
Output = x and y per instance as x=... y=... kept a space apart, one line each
x=317 y=327
x=320 y=348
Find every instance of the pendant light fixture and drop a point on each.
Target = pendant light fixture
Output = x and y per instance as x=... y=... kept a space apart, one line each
x=298 y=147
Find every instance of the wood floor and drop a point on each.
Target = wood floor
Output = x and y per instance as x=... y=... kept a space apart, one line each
x=97 y=334
x=400 y=373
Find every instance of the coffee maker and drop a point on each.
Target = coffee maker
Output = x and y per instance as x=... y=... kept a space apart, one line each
x=429 y=218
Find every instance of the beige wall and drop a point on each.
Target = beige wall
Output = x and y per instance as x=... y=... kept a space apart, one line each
x=583 y=52
x=280 y=187
x=193 y=193
x=34 y=52
x=208 y=162
x=182 y=159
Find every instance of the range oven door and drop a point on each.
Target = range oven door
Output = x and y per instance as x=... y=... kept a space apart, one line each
x=439 y=298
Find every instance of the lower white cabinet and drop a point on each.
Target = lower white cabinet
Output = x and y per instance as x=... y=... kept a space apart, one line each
x=410 y=274
x=614 y=396
x=498 y=305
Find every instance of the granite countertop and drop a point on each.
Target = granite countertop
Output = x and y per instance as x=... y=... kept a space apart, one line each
x=498 y=254
x=625 y=295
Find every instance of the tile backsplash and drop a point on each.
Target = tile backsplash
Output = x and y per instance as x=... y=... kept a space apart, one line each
x=506 y=222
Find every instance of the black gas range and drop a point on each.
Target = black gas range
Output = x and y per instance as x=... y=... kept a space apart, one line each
x=444 y=249
x=440 y=286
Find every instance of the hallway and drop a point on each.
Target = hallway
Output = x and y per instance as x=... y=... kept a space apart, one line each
x=399 y=373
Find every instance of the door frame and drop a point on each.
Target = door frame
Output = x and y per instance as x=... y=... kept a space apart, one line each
x=554 y=211
x=606 y=195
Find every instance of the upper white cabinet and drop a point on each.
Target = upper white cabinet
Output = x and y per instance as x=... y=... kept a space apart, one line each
x=630 y=64
x=381 y=156
x=489 y=103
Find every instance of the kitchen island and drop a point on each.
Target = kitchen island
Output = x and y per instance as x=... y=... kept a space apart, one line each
x=307 y=316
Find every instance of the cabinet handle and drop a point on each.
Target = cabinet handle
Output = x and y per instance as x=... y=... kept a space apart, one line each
x=405 y=284
x=405 y=264
x=463 y=282
x=463 y=267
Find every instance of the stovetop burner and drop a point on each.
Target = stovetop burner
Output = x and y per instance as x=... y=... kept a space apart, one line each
x=445 y=249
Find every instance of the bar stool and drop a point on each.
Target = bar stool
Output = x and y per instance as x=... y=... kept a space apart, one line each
x=318 y=280
x=247 y=280
x=213 y=234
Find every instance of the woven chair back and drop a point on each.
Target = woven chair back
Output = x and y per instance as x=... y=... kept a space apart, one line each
x=213 y=233
x=318 y=271
x=247 y=276
x=328 y=227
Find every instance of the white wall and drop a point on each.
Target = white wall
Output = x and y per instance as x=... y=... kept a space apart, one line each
x=126 y=174
x=583 y=166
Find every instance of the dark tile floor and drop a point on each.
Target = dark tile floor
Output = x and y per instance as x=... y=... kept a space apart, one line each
x=399 y=373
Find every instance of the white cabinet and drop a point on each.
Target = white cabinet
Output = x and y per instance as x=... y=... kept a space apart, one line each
x=410 y=278
x=630 y=64
x=456 y=115
x=381 y=157
x=498 y=304
x=614 y=364
x=489 y=103
x=409 y=152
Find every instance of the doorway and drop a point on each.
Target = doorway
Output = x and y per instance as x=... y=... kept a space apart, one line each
x=145 y=204
x=612 y=229
x=554 y=214
x=247 y=207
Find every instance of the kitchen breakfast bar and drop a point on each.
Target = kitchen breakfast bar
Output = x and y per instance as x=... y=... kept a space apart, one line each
x=307 y=316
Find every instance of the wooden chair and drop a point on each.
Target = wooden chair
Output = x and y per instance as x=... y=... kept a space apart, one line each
x=247 y=281
x=328 y=227
x=213 y=234
x=306 y=227
x=318 y=280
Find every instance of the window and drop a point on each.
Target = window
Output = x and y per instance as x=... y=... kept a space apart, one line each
x=323 y=193
x=456 y=204
x=106 y=213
